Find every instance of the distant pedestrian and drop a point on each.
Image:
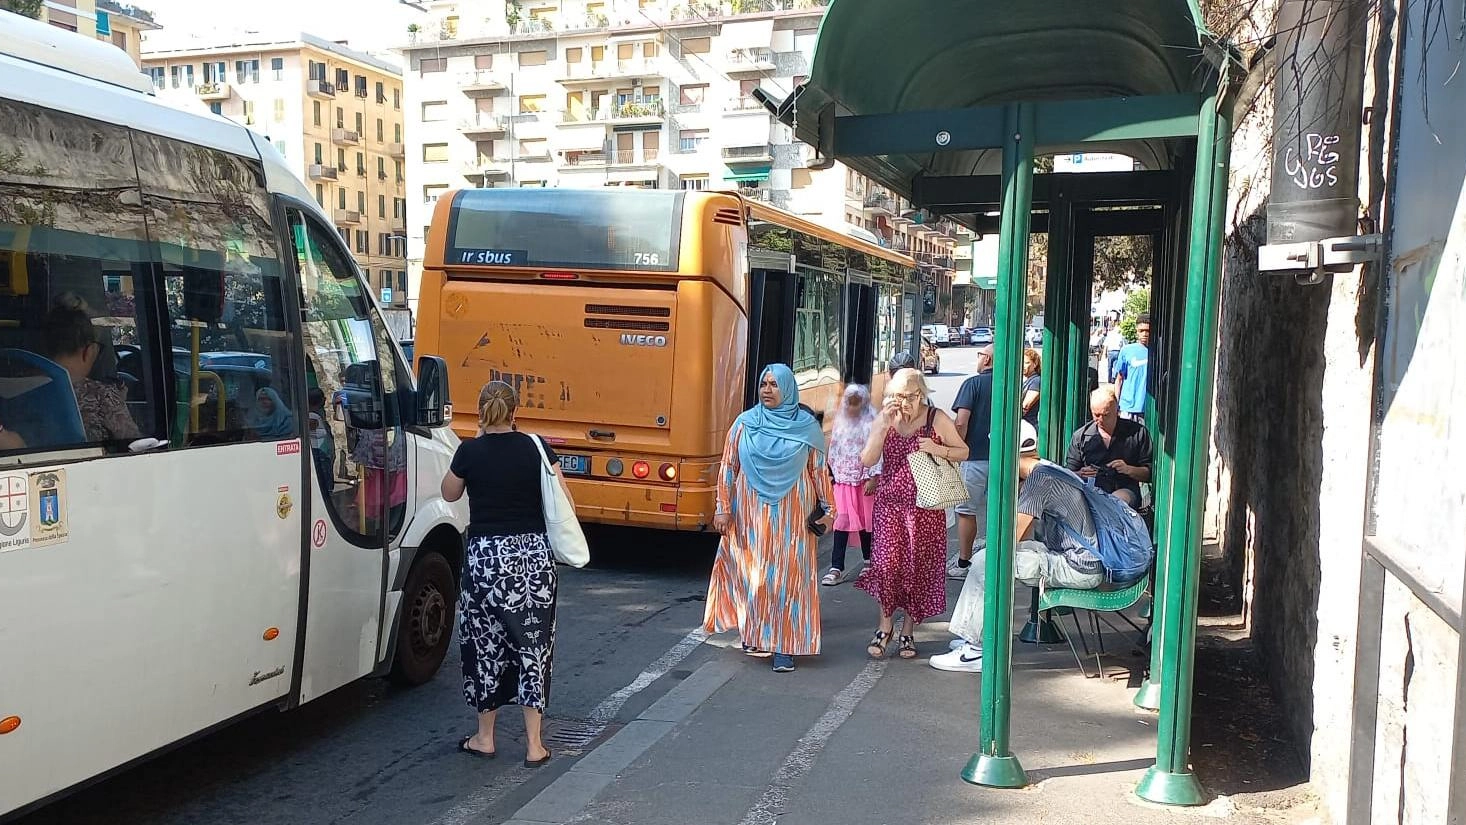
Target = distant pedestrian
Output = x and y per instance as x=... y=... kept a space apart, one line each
x=506 y=612
x=908 y=563
x=772 y=478
x=974 y=411
x=1132 y=371
x=1032 y=384
x=1114 y=340
x=855 y=483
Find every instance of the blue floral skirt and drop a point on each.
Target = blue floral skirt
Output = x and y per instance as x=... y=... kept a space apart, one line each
x=506 y=620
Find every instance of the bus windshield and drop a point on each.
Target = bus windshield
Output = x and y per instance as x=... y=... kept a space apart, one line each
x=612 y=229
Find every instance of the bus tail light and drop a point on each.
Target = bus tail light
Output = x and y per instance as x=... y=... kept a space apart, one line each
x=272 y=633
x=641 y=469
x=615 y=467
x=667 y=472
x=560 y=276
x=9 y=724
x=669 y=508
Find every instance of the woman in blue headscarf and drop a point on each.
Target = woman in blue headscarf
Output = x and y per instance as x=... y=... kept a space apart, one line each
x=271 y=418
x=765 y=581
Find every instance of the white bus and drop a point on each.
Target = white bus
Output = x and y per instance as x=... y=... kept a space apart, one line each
x=218 y=478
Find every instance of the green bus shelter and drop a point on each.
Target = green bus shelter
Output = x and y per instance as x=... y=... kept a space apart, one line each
x=948 y=103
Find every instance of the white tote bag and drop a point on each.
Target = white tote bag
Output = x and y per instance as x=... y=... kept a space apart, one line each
x=567 y=540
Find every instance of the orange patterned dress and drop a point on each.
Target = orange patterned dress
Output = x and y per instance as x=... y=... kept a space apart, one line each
x=765 y=581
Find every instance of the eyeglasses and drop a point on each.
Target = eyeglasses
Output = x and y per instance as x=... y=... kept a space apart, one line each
x=906 y=396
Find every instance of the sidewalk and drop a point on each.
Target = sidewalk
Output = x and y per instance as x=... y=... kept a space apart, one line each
x=850 y=741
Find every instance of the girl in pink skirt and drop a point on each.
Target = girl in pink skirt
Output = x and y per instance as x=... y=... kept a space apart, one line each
x=855 y=484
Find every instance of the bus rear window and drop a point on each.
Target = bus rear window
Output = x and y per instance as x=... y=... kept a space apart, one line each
x=569 y=228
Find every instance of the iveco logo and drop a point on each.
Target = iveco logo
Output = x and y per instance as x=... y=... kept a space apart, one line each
x=629 y=340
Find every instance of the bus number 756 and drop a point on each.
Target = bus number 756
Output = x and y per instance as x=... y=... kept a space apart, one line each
x=648 y=259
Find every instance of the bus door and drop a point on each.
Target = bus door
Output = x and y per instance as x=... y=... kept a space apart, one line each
x=860 y=328
x=358 y=459
x=772 y=297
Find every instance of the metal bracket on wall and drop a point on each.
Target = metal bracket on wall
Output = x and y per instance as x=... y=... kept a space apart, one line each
x=1310 y=261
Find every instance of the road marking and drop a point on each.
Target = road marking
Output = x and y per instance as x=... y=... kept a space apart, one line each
x=600 y=717
x=771 y=805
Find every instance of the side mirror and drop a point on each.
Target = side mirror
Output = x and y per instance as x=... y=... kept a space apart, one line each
x=363 y=395
x=434 y=407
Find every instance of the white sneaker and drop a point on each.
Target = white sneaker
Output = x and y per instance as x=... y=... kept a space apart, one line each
x=966 y=659
x=954 y=571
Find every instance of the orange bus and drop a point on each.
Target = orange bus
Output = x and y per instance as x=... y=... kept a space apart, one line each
x=633 y=321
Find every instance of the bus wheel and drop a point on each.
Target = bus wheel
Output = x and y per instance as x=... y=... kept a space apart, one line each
x=425 y=627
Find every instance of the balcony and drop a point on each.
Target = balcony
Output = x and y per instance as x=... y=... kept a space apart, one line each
x=397 y=150
x=480 y=83
x=753 y=60
x=346 y=216
x=590 y=72
x=320 y=88
x=345 y=137
x=586 y=160
x=743 y=105
x=879 y=202
x=686 y=109
x=533 y=25
x=321 y=171
x=648 y=110
x=398 y=225
x=758 y=153
x=636 y=157
x=534 y=156
x=481 y=125
x=213 y=91
x=486 y=168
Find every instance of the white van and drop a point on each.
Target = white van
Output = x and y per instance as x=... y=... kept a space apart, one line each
x=218 y=477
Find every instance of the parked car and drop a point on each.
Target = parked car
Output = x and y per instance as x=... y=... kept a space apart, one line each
x=981 y=336
x=1034 y=337
x=940 y=334
x=931 y=361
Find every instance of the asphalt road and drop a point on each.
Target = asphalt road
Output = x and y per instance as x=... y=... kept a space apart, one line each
x=373 y=754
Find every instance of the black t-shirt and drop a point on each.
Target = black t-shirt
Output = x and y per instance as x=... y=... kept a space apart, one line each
x=503 y=475
x=1033 y=383
x=976 y=395
x=1130 y=443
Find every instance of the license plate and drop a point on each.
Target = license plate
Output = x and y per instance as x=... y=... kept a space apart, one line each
x=575 y=464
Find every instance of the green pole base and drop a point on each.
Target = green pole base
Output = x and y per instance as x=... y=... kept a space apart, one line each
x=995 y=772
x=1041 y=631
x=1149 y=695
x=1165 y=788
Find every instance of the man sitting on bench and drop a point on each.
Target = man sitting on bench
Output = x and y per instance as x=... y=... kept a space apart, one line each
x=1114 y=451
x=1053 y=525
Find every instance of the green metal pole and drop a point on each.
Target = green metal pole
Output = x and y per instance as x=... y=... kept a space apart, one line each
x=1171 y=781
x=1053 y=393
x=1081 y=303
x=994 y=765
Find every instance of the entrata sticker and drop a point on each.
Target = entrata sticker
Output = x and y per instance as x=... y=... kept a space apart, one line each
x=287 y=448
x=318 y=534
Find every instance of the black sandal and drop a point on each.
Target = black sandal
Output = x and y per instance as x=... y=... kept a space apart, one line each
x=906 y=647
x=877 y=647
x=463 y=746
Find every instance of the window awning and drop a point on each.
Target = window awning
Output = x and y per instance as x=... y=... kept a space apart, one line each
x=747 y=174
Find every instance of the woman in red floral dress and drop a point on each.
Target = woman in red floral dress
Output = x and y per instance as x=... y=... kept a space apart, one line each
x=907 y=570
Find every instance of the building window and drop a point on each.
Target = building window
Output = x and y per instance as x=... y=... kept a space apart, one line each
x=315 y=71
x=158 y=75
x=316 y=112
x=360 y=124
x=697 y=45
x=434 y=111
x=340 y=118
x=397 y=133
x=381 y=130
x=176 y=73
x=249 y=112
x=279 y=110
x=361 y=85
x=398 y=165
x=343 y=80
x=483 y=61
x=533 y=58
x=381 y=168
x=247 y=71
x=397 y=99
x=217 y=108
x=321 y=196
x=361 y=202
x=574 y=55
x=534 y=148
x=529 y=104
x=692 y=95
x=361 y=164
x=341 y=160
x=432 y=65
x=430 y=193
x=319 y=159
x=277 y=67
x=695 y=182
x=435 y=153
x=690 y=140
x=341 y=199
x=381 y=92
x=188 y=75
x=381 y=204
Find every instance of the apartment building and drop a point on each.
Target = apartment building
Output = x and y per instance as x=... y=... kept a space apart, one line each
x=106 y=20
x=337 y=115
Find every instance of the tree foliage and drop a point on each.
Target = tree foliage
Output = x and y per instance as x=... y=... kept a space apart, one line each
x=25 y=8
x=1136 y=302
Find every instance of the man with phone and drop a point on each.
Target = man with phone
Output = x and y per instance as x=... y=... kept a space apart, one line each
x=1111 y=452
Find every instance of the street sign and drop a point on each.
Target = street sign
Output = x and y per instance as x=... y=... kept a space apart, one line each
x=386 y=294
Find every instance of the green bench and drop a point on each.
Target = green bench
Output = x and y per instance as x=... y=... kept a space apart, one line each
x=1095 y=601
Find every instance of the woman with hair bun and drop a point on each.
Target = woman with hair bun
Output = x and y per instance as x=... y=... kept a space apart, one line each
x=506 y=612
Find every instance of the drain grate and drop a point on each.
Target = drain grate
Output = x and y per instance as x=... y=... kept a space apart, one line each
x=571 y=735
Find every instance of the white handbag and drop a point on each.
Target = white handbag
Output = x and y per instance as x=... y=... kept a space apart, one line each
x=938 y=481
x=567 y=541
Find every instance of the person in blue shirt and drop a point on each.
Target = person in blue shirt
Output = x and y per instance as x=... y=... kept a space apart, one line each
x=1132 y=370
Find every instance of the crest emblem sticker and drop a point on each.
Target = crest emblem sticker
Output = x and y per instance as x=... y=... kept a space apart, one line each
x=47 y=495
